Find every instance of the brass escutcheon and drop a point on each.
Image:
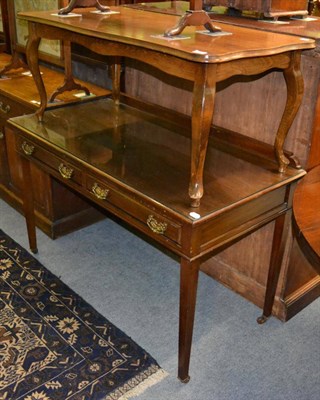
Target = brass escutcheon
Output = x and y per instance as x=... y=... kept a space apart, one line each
x=99 y=192
x=155 y=226
x=5 y=108
x=28 y=149
x=66 y=172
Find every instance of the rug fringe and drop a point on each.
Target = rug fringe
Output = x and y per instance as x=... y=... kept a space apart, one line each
x=143 y=386
x=132 y=389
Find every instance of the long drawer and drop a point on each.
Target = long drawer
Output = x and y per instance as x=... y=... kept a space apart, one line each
x=102 y=190
x=10 y=108
x=52 y=162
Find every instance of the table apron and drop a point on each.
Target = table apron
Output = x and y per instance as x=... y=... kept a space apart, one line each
x=170 y=64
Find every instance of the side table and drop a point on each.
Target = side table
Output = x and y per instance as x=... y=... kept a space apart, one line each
x=137 y=169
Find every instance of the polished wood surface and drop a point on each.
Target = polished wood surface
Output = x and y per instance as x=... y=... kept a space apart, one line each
x=301 y=27
x=240 y=53
x=92 y=135
x=308 y=28
x=126 y=28
x=306 y=212
x=135 y=165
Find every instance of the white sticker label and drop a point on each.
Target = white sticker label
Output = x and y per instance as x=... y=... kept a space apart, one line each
x=194 y=215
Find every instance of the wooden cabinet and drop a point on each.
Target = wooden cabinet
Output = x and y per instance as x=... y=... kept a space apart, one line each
x=58 y=210
x=269 y=8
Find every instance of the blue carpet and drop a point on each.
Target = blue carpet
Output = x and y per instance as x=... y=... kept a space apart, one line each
x=136 y=286
x=54 y=345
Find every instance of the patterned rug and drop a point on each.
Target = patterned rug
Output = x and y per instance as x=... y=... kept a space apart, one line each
x=55 y=346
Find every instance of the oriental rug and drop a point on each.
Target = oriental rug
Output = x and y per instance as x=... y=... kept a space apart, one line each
x=55 y=346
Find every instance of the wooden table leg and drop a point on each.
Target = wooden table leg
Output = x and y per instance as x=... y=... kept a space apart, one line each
x=189 y=272
x=28 y=204
x=204 y=91
x=82 y=3
x=278 y=246
x=192 y=18
x=116 y=77
x=294 y=81
x=33 y=63
x=15 y=63
x=69 y=83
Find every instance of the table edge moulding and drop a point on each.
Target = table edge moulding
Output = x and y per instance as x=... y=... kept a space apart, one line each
x=205 y=61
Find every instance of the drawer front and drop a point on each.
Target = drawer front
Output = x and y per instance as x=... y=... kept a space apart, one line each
x=102 y=192
x=228 y=223
x=56 y=165
x=150 y=218
x=10 y=108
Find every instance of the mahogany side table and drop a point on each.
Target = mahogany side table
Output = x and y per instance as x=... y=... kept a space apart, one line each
x=137 y=168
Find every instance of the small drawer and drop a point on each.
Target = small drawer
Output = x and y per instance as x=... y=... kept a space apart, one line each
x=65 y=169
x=150 y=218
x=10 y=108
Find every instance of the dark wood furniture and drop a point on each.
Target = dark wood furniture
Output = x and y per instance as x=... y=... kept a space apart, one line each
x=266 y=8
x=130 y=162
x=82 y=3
x=136 y=166
x=5 y=44
x=19 y=95
x=200 y=59
x=243 y=106
x=306 y=213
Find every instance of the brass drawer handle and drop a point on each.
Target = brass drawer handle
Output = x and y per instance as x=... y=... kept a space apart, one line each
x=99 y=192
x=1 y=135
x=155 y=226
x=4 y=108
x=28 y=149
x=66 y=172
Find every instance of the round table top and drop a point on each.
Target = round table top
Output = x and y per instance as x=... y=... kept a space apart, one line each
x=306 y=213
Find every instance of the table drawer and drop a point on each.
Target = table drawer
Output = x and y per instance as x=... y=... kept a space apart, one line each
x=10 y=108
x=150 y=218
x=56 y=164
